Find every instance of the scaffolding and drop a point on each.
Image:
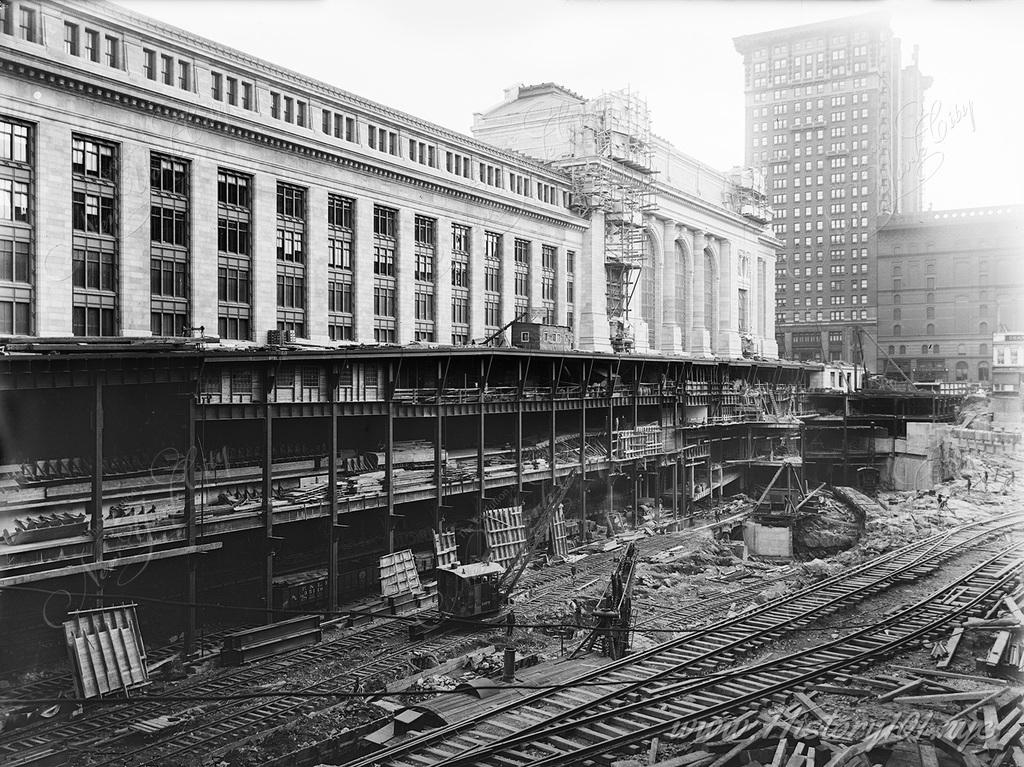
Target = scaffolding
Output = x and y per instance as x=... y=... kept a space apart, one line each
x=617 y=179
x=746 y=194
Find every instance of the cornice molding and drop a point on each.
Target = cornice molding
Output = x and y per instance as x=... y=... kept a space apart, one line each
x=159 y=31
x=148 y=106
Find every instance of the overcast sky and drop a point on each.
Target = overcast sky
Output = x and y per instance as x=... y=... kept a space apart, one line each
x=443 y=60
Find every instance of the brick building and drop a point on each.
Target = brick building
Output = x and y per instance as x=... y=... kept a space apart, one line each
x=948 y=281
x=830 y=112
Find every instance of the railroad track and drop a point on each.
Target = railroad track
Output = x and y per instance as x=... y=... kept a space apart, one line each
x=87 y=733
x=638 y=679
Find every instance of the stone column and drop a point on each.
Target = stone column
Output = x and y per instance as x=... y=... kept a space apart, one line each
x=443 y=282
x=536 y=282
x=699 y=341
x=560 y=280
x=728 y=303
x=362 y=267
x=316 y=265
x=204 y=244
x=771 y=346
x=508 y=279
x=671 y=340
x=405 y=271
x=264 y=256
x=476 y=282
x=657 y=312
x=53 y=286
x=134 y=292
x=592 y=289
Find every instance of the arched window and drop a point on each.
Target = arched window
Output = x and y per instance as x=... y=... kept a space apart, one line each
x=897 y=299
x=903 y=349
x=929 y=329
x=897 y=314
x=983 y=327
x=892 y=349
x=982 y=371
x=929 y=312
x=982 y=350
x=930 y=298
x=897 y=330
x=924 y=348
x=961 y=371
x=935 y=348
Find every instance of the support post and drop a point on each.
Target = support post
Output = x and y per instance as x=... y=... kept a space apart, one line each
x=188 y=645
x=268 y=494
x=332 y=492
x=675 y=488
x=480 y=445
x=583 y=456
x=551 y=444
x=519 y=433
x=389 y=464
x=97 y=477
x=438 y=462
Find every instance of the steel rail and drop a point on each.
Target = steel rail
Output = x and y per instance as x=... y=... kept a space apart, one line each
x=804 y=666
x=917 y=552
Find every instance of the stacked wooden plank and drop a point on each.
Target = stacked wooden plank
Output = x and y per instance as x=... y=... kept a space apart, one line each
x=106 y=650
x=559 y=541
x=445 y=548
x=505 y=533
x=398 y=574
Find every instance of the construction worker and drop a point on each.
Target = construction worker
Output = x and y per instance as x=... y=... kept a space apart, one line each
x=510 y=623
x=986 y=480
x=943 y=500
x=968 y=484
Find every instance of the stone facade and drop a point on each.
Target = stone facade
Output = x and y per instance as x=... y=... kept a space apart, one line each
x=154 y=91
x=702 y=256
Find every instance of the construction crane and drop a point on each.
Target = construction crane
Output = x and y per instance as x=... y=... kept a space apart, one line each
x=613 y=615
x=484 y=588
x=859 y=332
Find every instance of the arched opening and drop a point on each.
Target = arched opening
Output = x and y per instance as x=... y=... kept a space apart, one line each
x=684 y=278
x=897 y=330
x=983 y=327
x=711 y=297
x=961 y=371
x=903 y=349
x=929 y=329
x=983 y=350
x=648 y=285
x=897 y=314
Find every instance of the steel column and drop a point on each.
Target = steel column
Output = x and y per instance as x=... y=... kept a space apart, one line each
x=268 y=509
x=389 y=465
x=332 y=493
x=188 y=644
x=97 y=476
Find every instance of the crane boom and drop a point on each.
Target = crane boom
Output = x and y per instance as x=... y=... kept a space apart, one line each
x=518 y=565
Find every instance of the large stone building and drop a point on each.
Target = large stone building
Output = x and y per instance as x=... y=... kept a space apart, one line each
x=209 y=188
x=832 y=118
x=947 y=282
x=689 y=262
x=212 y=190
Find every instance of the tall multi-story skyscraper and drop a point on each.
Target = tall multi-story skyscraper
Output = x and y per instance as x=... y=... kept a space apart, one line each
x=834 y=118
